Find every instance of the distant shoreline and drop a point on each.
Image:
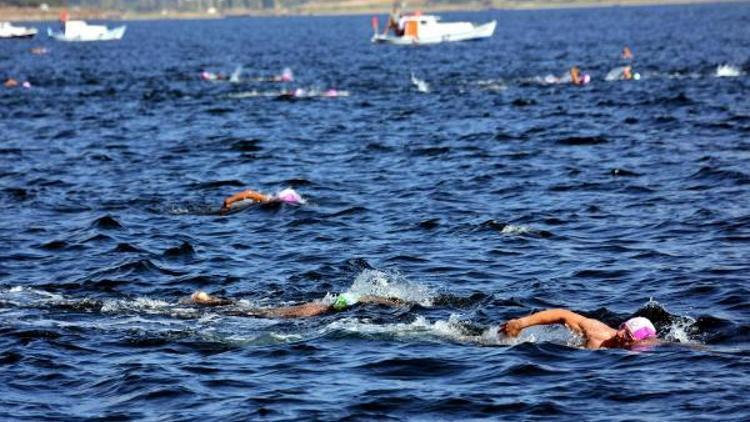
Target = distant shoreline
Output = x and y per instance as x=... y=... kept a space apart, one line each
x=17 y=14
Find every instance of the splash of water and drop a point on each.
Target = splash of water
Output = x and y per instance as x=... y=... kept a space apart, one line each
x=390 y=284
x=421 y=85
x=512 y=229
x=727 y=71
x=235 y=77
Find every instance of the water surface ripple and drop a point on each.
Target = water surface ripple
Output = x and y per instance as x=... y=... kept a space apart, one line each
x=487 y=197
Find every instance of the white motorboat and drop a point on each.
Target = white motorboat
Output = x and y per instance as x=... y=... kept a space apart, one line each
x=81 y=31
x=7 y=31
x=428 y=29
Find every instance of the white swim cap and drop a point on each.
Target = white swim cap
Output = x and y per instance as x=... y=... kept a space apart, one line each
x=290 y=196
x=640 y=328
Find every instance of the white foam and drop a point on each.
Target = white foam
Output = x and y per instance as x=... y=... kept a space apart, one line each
x=255 y=93
x=141 y=304
x=235 y=77
x=727 y=71
x=20 y=295
x=455 y=329
x=421 y=85
x=492 y=85
x=512 y=229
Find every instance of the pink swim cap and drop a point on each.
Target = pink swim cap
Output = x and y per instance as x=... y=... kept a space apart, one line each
x=290 y=196
x=640 y=328
x=287 y=75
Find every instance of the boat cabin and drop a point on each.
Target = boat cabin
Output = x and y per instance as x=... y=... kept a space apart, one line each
x=429 y=26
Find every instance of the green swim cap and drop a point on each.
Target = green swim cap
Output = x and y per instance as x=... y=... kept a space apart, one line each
x=344 y=300
x=340 y=303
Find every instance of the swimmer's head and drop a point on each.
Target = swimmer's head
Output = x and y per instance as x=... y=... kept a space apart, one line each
x=638 y=328
x=290 y=196
x=287 y=75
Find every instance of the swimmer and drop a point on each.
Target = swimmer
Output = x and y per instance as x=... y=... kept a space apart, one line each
x=10 y=83
x=211 y=76
x=635 y=331
x=578 y=78
x=339 y=303
x=286 y=76
x=626 y=53
x=624 y=73
x=286 y=196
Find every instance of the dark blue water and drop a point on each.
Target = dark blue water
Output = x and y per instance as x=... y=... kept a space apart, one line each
x=486 y=198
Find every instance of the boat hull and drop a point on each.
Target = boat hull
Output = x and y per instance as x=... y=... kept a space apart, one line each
x=475 y=33
x=16 y=37
x=9 y=32
x=110 y=35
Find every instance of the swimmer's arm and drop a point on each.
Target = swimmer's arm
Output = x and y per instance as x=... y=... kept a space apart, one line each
x=247 y=194
x=551 y=316
x=305 y=310
x=379 y=300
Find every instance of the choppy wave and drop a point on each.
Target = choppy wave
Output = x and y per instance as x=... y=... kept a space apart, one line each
x=496 y=195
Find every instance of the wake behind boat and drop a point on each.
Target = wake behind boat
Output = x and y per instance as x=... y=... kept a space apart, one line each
x=81 y=31
x=428 y=29
x=9 y=31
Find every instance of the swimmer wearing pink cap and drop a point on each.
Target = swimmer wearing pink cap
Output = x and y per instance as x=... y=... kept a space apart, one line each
x=286 y=196
x=635 y=331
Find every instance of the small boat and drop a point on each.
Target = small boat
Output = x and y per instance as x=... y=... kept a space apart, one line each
x=8 y=31
x=81 y=31
x=428 y=29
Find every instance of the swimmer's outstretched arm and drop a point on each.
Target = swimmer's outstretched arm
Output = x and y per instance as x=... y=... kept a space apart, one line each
x=246 y=194
x=379 y=300
x=312 y=309
x=305 y=310
x=298 y=311
x=551 y=316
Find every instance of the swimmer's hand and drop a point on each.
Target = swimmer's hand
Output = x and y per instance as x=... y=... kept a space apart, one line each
x=512 y=328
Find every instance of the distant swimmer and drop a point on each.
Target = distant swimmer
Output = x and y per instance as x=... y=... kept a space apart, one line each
x=39 y=51
x=286 y=196
x=12 y=83
x=286 y=76
x=310 y=309
x=211 y=76
x=622 y=73
x=627 y=54
x=578 y=78
x=633 y=332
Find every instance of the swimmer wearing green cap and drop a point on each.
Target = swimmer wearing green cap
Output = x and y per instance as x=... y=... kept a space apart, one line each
x=340 y=303
x=635 y=331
